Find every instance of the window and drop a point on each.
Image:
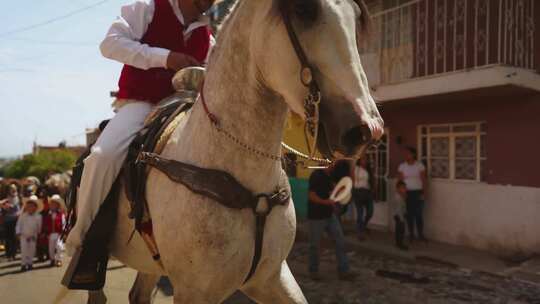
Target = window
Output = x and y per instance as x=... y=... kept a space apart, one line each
x=454 y=151
x=377 y=155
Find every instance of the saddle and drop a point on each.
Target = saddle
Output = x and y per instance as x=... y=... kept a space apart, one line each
x=88 y=265
x=87 y=269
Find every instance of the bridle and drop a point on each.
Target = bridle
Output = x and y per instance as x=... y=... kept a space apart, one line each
x=311 y=103
x=312 y=100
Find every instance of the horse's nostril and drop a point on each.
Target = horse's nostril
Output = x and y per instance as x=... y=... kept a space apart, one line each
x=357 y=136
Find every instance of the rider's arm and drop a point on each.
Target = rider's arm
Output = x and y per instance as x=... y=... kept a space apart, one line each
x=122 y=42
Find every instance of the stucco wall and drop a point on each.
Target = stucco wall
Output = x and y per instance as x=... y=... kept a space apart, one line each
x=513 y=128
x=502 y=214
x=503 y=219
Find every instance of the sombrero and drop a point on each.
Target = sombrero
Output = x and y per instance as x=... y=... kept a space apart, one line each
x=33 y=198
x=342 y=191
x=57 y=198
x=33 y=180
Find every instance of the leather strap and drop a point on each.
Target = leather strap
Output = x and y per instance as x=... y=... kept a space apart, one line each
x=225 y=189
x=215 y=184
x=300 y=53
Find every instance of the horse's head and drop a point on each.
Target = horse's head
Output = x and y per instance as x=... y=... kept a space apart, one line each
x=328 y=31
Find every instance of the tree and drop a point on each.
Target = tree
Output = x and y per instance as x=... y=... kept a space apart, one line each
x=41 y=164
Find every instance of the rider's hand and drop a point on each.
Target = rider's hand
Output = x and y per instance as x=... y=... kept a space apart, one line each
x=177 y=61
x=330 y=202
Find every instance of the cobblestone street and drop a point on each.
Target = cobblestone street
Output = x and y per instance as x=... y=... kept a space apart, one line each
x=390 y=280
x=380 y=279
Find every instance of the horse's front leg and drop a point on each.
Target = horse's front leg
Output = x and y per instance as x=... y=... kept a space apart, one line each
x=280 y=287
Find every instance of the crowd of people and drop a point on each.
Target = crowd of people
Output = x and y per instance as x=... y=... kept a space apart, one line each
x=31 y=222
x=324 y=212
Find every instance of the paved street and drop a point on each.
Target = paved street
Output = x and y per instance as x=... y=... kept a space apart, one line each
x=390 y=280
x=41 y=284
x=381 y=279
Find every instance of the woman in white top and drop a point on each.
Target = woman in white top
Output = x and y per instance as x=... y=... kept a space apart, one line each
x=413 y=174
x=362 y=194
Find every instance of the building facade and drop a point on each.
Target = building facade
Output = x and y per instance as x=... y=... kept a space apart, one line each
x=459 y=80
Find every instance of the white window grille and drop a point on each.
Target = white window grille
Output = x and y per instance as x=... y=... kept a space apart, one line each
x=378 y=157
x=454 y=151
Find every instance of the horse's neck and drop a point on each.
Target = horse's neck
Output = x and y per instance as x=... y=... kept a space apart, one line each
x=244 y=108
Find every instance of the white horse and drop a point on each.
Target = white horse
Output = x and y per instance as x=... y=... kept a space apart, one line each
x=253 y=80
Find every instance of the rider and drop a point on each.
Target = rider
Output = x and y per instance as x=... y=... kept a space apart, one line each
x=154 y=39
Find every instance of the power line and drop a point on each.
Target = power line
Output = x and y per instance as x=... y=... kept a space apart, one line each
x=55 y=42
x=33 y=26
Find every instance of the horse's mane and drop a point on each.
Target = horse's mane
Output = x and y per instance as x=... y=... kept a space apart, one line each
x=364 y=21
x=226 y=16
x=222 y=28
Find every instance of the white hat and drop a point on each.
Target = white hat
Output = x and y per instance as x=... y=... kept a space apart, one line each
x=57 y=198
x=342 y=191
x=34 y=198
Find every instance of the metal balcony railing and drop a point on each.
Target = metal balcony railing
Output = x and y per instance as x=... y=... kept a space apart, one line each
x=431 y=37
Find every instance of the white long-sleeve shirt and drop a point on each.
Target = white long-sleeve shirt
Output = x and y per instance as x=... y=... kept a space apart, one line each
x=122 y=42
x=29 y=225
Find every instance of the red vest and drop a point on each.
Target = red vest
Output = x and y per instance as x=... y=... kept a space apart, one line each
x=165 y=31
x=50 y=227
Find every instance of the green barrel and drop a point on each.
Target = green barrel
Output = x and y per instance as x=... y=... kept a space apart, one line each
x=299 y=194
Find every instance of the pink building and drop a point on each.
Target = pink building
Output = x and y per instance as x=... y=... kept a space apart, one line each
x=459 y=80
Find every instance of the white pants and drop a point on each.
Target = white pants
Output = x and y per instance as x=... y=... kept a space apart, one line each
x=102 y=166
x=28 y=249
x=55 y=249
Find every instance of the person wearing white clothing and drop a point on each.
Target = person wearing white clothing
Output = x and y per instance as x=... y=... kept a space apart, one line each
x=362 y=194
x=27 y=229
x=153 y=39
x=413 y=174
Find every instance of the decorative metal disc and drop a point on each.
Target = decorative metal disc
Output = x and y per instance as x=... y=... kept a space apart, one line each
x=306 y=76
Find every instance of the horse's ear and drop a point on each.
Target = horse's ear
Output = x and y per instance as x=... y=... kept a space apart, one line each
x=365 y=19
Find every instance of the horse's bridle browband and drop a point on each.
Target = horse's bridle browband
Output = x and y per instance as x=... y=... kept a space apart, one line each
x=306 y=67
x=313 y=99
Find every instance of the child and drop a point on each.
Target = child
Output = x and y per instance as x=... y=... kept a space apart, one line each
x=54 y=222
x=42 y=245
x=399 y=214
x=28 y=228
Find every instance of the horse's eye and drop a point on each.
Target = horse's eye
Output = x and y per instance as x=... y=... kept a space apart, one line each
x=306 y=10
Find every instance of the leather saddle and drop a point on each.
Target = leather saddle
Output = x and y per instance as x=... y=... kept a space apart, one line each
x=87 y=268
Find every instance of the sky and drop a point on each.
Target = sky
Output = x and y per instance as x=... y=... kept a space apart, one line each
x=54 y=82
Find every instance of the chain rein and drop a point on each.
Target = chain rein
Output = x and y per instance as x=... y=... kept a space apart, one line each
x=247 y=147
